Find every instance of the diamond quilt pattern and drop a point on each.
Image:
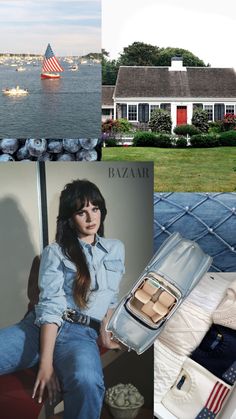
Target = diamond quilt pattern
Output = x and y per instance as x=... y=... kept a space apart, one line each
x=207 y=218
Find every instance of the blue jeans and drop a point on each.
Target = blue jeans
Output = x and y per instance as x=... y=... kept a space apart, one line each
x=76 y=362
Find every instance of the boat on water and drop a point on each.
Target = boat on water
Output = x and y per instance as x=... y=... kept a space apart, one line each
x=74 y=67
x=20 y=69
x=51 y=67
x=15 y=91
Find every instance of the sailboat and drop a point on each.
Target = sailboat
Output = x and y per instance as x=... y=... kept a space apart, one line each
x=51 y=66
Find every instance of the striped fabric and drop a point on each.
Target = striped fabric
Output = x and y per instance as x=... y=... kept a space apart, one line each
x=50 y=62
x=214 y=402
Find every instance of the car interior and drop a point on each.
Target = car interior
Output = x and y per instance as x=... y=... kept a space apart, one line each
x=153 y=300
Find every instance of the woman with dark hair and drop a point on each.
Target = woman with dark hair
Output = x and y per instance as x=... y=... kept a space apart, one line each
x=78 y=279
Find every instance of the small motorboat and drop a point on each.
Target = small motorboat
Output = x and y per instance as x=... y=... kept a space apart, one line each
x=74 y=67
x=20 y=69
x=15 y=91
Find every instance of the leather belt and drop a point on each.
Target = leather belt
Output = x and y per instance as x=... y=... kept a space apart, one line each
x=73 y=316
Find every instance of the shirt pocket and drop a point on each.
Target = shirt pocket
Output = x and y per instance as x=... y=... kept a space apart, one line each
x=69 y=270
x=68 y=265
x=114 y=270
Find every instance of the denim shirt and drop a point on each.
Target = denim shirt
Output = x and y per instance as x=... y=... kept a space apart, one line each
x=105 y=261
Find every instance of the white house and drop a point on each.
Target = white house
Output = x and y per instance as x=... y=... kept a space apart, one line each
x=178 y=89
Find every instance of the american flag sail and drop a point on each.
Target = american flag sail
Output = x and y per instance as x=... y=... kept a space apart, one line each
x=50 y=62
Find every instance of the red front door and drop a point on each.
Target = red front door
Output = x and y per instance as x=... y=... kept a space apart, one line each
x=181 y=115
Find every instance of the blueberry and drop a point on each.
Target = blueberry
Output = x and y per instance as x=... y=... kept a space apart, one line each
x=72 y=146
x=22 y=153
x=65 y=157
x=6 y=157
x=88 y=143
x=9 y=146
x=86 y=155
x=55 y=146
x=36 y=147
x=45 y=157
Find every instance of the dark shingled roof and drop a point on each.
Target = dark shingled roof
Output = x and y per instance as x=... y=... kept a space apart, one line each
x=158 y=82
x=107 y=93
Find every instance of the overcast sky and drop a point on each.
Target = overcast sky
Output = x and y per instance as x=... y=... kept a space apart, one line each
x=207 y=28
x=73 y=27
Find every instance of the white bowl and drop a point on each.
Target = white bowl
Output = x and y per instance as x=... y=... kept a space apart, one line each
x=124 y=412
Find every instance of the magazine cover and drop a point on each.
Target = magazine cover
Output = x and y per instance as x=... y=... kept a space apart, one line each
x=34 y=203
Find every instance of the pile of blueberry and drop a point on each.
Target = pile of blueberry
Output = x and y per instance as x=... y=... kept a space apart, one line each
x=50 y=150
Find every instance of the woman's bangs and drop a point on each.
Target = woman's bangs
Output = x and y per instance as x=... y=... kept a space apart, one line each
x=89 y=197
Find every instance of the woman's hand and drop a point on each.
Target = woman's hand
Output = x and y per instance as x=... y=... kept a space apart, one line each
x=106 y=337
x=46 y=378
x=107 y=342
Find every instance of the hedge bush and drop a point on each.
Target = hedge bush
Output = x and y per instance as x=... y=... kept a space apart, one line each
x=181 y=142
x=205 y=140
x=144 y=139
x=200 y=120
x=215 y=127
x=109 y=126
x=150 y=139
x=228 y=138
x=164 y=141
x=160 y=121
x=186 y=130
x=111 y=142
x=123 y=125
x=229 y=122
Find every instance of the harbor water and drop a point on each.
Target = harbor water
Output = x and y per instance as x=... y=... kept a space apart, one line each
x=69 y=107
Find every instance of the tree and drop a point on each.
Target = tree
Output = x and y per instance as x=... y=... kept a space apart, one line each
x=189 y=59
x=160 y=121
x=143 y=54
x=139 y=54
x=109 y=69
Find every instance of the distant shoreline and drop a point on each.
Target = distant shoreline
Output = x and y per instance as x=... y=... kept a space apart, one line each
x=25 y=55
x=12 y=55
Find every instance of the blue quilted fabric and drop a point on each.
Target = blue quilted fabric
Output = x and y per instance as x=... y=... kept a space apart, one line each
x=207 y=218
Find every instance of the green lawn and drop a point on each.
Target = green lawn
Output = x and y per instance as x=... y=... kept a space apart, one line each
x=188 y=170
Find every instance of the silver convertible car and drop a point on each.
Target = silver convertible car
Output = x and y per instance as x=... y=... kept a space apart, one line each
x=169 y=277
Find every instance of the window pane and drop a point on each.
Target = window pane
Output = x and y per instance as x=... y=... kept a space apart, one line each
x=153 y=107
x=143 y=112
x=106 y=112
x=229 y=109
x=197 y=106
x=132 y=113
x=166 y=107
x=219 y=111
x=209 y=110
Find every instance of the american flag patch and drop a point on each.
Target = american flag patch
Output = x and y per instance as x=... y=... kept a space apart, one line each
x=214 y=402
x=230 y=375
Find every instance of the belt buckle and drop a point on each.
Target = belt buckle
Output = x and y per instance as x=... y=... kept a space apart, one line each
x=84 y=319
x=67 y=315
